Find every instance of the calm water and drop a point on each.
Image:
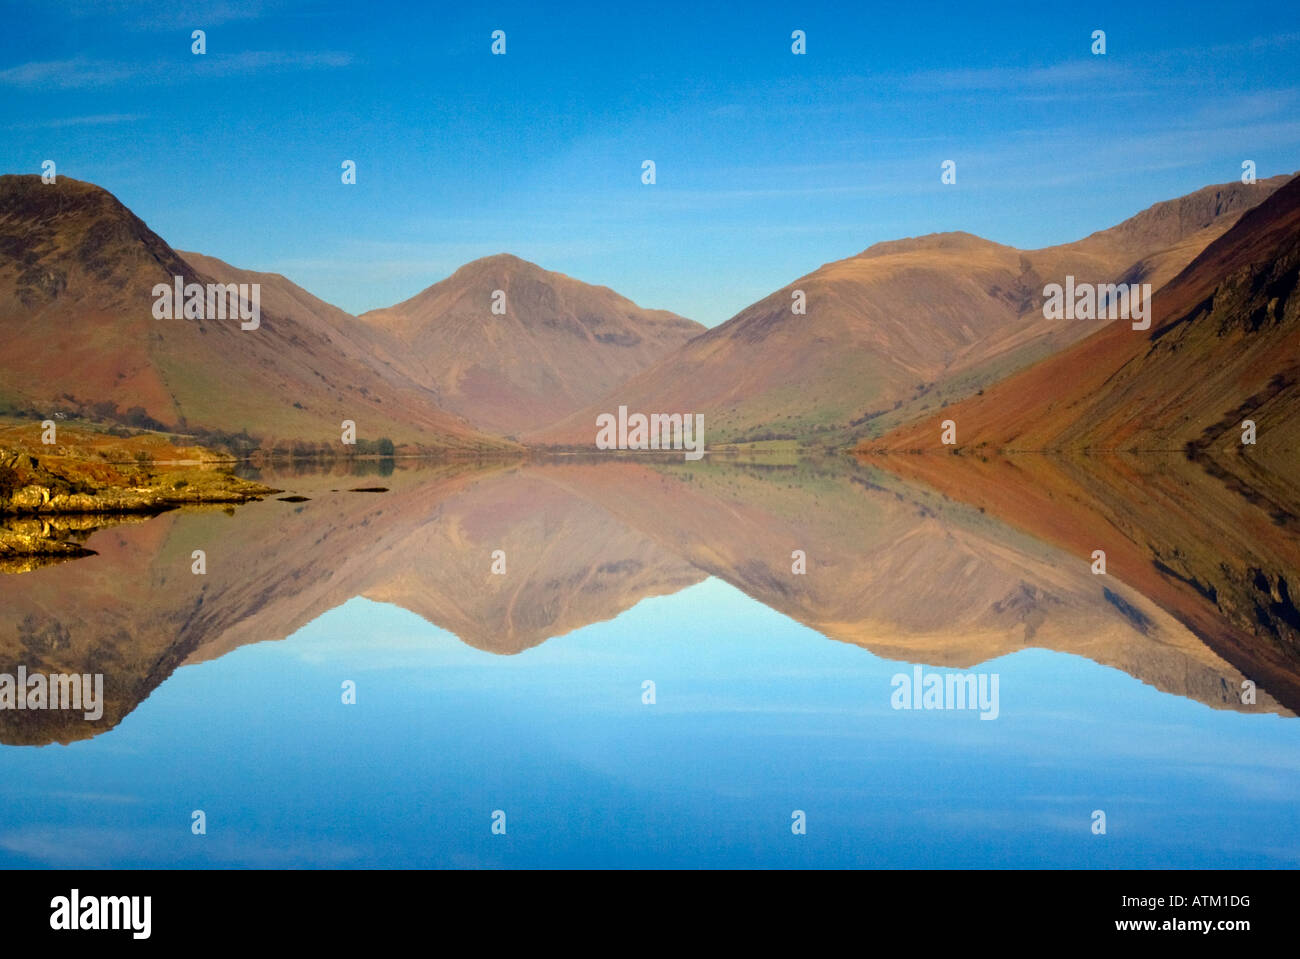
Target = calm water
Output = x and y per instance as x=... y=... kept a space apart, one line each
x=522 y=692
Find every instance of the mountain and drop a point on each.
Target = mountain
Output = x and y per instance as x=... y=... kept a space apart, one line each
x=1223 y=347
x=903 y=326
x=78 y=336
x=559 y=345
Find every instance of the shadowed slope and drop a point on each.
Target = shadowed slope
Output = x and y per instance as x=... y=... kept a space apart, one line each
x=1224 y=346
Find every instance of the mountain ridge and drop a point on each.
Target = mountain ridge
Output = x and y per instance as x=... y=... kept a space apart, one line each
x=902 y=326
x=78 y=335
x=1224 y=346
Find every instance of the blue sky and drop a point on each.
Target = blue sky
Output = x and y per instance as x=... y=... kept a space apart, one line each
x=768 y=164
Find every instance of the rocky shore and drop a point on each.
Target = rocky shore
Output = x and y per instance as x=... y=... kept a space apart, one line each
x=88 y=474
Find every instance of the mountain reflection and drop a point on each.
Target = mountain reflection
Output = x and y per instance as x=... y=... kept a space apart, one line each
x=1195 y=598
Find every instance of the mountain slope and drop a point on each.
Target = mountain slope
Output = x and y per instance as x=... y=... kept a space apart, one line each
x=78 y=335
x=1224 y=346
x=903 y=326
x=559 y=345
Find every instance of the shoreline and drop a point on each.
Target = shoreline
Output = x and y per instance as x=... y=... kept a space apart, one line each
x=43 y=489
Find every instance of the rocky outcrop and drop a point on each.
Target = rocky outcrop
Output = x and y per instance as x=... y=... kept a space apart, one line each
x=78 y=478
x=29 y=487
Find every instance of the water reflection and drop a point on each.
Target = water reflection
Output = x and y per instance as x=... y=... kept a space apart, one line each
x=1196 y=598
x=1214 y=541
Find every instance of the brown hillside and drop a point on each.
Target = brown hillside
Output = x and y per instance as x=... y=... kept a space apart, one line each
x=903 y=326
x=560 y=345
x=1224 y=346
x=78 y=335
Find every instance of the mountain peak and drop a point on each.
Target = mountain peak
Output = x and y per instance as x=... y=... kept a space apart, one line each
x=29 y=190
x=57 y=238
x=949 y=241
x=517 y=362
x=506 y=263
x=507 y=259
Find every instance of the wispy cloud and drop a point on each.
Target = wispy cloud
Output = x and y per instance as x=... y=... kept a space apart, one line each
x=259 y=61
x=160 y=15
x=197 y=13
x=1017 y=78
x=65 y=74
x=80 y=72
x=1260 y=44
x=101 y=119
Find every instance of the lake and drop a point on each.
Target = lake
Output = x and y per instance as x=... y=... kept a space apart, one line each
x=639 y=663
